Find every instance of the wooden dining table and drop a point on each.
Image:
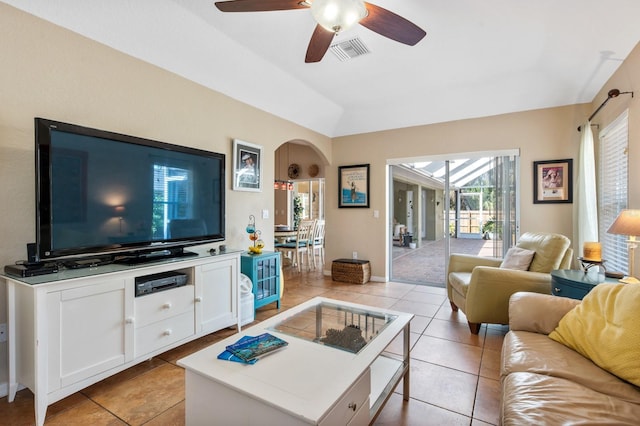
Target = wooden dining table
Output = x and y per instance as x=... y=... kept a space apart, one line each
x=284 y=235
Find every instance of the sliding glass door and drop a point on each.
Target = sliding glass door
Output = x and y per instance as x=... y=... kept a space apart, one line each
x=451 y=204
x=507 y=171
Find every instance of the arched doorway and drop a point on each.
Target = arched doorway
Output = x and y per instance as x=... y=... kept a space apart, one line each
x=298 y=178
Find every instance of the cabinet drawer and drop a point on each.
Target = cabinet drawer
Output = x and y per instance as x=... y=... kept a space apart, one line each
x=165 y=304
x=351 y=402
x=572 y=290
x=362 y=416
x=163 y=333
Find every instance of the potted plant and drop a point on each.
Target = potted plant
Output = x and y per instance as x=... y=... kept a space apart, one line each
x=488 y=228
x=297 y=211
x=412 y=244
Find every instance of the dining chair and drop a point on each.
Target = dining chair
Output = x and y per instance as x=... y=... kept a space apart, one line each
x=318 y=242
x=301 y=246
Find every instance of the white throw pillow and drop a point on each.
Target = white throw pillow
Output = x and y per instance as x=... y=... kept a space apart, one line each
x=518 y=258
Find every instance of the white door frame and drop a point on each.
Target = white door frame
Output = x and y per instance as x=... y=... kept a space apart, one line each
x=439 y=157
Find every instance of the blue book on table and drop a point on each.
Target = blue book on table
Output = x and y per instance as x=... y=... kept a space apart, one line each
x=228 y=356
x=255 y=347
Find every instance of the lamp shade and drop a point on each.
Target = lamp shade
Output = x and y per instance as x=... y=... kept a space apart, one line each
x=627 y=223
x=338 y=15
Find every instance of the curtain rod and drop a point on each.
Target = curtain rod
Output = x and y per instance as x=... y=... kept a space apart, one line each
x=613 y=93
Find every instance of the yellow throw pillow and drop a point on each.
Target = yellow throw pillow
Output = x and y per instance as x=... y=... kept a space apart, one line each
x=605 y=328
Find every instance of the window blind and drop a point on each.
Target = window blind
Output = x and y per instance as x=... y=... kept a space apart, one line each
x=613 y=172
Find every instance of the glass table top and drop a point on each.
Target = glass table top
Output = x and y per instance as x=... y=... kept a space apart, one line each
x=342 y=327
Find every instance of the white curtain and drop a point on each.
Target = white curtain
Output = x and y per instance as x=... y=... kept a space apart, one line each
x=586 y=207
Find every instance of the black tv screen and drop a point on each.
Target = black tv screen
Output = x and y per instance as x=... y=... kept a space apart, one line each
x=101 y=192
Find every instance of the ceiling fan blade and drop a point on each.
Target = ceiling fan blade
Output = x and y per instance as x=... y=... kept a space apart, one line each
x=319 y=44
x=259 y=5
x=392 y=26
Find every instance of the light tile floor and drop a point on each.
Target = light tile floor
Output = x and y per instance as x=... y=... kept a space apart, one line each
x=454 y=374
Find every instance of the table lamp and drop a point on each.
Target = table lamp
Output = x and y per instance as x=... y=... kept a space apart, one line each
x=628 y=223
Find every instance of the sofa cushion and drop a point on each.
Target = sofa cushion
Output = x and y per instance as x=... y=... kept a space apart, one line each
x=604 y=328
x=536 y=399
x=517 y=258
x=536 y=353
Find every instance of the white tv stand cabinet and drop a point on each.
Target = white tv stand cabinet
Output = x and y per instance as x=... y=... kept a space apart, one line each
x=74 y=328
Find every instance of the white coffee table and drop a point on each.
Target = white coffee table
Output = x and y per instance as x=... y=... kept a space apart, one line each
x=309 y=382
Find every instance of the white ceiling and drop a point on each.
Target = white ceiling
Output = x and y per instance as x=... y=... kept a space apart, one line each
x=479 y=58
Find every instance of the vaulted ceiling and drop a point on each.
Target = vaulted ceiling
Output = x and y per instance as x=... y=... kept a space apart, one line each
x=479 y=58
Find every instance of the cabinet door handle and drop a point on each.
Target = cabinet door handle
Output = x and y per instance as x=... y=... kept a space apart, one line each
x=557 y=290
x=129 y=320
x=167 y=332
x=198 y=299
x=166 y=306
x=353 y=406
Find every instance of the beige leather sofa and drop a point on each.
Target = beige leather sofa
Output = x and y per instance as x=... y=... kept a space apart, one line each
x=546 y=383
x=481 y=289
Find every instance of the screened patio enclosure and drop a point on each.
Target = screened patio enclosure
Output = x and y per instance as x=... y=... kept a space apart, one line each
x=457 y=198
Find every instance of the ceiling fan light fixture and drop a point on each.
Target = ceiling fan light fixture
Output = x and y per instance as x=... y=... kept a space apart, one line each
x=338 y=15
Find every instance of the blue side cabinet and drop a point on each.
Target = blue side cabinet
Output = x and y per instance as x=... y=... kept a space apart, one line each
x=574 y=284
x=264 y=271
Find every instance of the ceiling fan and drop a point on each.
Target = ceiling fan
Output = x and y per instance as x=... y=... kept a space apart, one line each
x=334 y=16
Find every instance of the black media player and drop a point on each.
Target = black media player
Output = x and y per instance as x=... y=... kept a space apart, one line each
x=158 y=282
x=24 y=271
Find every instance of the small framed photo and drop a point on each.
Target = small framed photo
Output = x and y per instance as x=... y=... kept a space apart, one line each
x=353 y=186
x=247 y=165
x=553 y=181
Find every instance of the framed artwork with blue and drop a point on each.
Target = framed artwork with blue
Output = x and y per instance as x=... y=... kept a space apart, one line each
x=353 y=186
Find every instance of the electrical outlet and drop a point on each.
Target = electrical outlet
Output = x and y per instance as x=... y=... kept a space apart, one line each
x=354 y=255
x=3 y=333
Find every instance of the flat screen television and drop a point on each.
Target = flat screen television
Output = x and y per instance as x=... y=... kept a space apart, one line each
x=104 y=193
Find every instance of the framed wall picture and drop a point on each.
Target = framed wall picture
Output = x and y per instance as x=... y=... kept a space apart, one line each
x=247 y=165
x=353 y=186
x=553 y=181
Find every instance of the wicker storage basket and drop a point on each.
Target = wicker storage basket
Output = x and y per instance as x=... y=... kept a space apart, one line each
x=352 y=271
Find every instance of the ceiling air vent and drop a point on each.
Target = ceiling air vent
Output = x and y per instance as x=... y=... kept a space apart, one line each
x=349 y=49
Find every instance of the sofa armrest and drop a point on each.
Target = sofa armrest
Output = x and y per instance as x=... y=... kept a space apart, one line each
x=490 y=289
x=466 y=262
x=538 y=313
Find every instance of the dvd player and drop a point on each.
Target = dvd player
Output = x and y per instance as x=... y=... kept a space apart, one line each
x=24 y=270
x=159 y=282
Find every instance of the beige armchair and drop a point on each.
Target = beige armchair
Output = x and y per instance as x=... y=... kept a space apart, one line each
x=481 y=289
